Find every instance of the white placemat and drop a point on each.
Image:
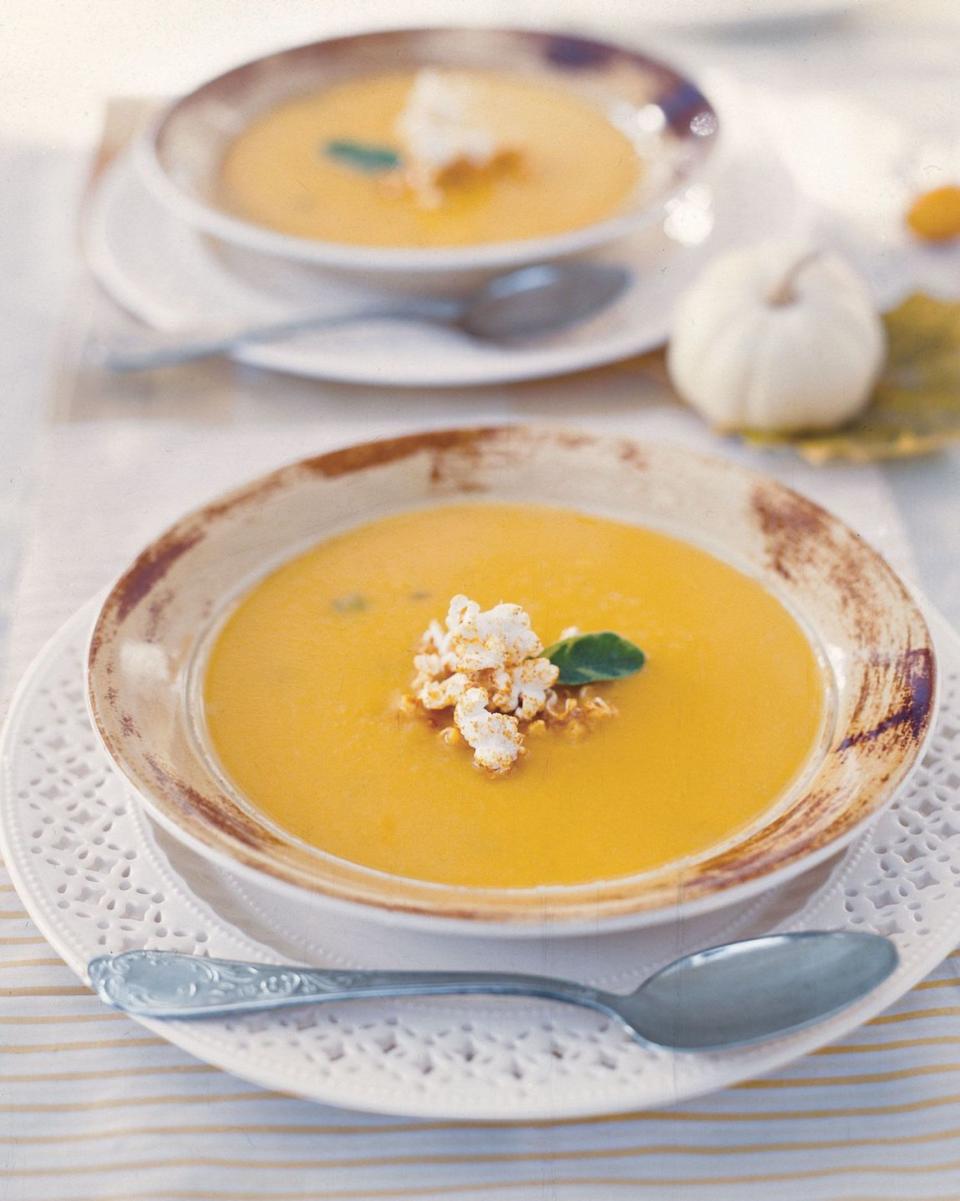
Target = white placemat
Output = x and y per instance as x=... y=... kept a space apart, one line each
x=95 y=1110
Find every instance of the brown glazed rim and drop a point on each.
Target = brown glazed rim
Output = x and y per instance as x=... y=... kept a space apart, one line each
x=883 y=720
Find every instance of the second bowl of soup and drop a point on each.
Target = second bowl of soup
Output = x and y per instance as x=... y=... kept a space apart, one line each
x=432 y=154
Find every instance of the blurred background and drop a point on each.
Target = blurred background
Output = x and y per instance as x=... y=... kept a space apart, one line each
x=875 y=82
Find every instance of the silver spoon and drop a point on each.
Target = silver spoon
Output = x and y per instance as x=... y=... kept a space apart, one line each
x=521 y=305
x=723 y=997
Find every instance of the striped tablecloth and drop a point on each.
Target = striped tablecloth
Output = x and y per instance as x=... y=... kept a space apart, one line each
x=94 y=1108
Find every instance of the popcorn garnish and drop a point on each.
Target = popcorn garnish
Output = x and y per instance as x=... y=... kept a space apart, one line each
x=443 y=138
x=496 y=739
x=487 y=666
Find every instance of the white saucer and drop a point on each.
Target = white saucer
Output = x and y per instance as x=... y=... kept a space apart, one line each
x=96 y=877
x=171 y=277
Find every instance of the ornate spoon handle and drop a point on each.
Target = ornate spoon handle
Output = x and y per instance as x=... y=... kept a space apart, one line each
x=165 y=984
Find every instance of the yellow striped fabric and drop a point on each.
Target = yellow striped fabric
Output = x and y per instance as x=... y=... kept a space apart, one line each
x=89 y=1116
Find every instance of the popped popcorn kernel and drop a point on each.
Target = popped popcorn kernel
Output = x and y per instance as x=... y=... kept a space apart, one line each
x=495 y=738
x=444 y=138
x=441 y=694
x=523 y=689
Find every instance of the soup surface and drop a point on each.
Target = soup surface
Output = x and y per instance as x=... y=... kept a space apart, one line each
x=575 y=167
x=303 y=680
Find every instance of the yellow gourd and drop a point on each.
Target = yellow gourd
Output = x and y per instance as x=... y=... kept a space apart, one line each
x=935 y=216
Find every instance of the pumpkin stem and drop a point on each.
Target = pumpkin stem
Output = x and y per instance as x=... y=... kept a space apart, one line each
x=784 y=292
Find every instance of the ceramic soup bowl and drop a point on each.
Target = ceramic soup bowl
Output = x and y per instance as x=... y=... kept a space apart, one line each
x=878 y=664
x=671 y=124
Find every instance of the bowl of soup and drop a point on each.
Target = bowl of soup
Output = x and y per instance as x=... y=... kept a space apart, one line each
x=425 y=155
x=251 y=672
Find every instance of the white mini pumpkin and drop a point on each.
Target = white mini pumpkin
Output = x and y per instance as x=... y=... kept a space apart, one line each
x=777 y=337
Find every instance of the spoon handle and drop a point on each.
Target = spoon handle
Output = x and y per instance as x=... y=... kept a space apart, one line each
x=166 y=984
x=157 y=349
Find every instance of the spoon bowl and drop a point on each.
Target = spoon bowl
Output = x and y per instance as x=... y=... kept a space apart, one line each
x=756 y=989
x=542 y=299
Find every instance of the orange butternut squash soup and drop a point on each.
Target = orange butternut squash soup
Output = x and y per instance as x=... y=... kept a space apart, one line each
x=309 y=706
x=430 y=159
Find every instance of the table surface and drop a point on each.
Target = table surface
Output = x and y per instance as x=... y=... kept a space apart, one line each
x=61 y=62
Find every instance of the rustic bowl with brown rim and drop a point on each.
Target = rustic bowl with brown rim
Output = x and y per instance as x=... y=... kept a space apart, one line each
x=879 y=670
x=672 y=125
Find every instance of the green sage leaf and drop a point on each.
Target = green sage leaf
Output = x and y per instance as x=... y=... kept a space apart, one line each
x=588 y=658
x=362 y=156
